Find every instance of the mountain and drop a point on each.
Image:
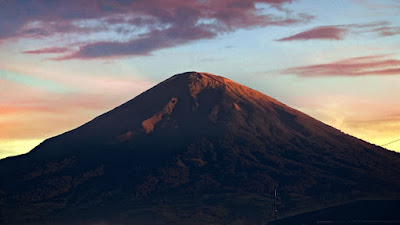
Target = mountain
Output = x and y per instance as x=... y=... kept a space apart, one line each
x=194 y=149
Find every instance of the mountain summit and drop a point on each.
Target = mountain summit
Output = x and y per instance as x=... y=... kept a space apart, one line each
x=194 y=149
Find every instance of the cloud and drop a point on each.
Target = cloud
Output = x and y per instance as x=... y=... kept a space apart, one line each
x=50 y=50
x=122 y=28
x=387 y=31
x=380 y=8
x=339 y=32
x=359 y=66
x=143 y=46
x=326 y=32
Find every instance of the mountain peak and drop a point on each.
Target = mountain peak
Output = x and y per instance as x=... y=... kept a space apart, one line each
x=200 y=80
x=201 y=75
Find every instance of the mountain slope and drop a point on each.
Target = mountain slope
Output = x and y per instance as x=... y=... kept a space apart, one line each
x=196 y=148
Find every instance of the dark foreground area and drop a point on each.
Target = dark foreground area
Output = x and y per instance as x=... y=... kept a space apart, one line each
x=356 y=213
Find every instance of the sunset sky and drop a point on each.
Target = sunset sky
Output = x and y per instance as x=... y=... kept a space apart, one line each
x=62 y=63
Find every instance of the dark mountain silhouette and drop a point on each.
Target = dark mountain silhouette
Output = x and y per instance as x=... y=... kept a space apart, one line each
x=195 y=149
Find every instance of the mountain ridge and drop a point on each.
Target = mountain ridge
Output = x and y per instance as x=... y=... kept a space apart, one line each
x=218 y=79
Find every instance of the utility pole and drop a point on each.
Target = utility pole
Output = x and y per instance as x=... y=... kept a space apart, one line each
x=275 y=207
x=275 y=202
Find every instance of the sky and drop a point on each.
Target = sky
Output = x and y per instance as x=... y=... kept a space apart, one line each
x=64 y=62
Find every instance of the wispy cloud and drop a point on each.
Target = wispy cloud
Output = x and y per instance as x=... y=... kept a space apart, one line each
x=339 y=32
x=50 y=50
x=376 y=7
x=377 y=65
x=324 y=32
x=138 y=27
x=387 y=30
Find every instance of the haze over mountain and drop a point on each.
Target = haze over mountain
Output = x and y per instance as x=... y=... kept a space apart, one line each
x=195 y=149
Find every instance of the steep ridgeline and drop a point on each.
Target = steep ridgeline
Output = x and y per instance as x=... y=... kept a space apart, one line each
x=195 y=149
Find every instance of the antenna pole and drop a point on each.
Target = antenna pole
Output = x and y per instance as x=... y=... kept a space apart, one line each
x=275 y=208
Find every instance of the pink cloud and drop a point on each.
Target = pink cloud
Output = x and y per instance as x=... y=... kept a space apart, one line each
x=326 y=32
x=50 y=50
x=387 y=31
x=358 y=66
x=164 y=24
x=338 y=32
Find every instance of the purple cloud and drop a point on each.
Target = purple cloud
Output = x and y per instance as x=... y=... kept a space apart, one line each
x=377 y=65
x=338 y=32
x=142 y=46
x=162 y=24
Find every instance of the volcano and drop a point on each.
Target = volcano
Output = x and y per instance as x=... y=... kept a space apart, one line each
x=194 y=149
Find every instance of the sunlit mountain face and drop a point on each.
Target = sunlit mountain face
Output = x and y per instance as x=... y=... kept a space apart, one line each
x=195 y=149
x=65 y=62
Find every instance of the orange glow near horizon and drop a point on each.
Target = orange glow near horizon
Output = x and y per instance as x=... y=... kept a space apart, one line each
x=17 y=146
x=364 y=121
